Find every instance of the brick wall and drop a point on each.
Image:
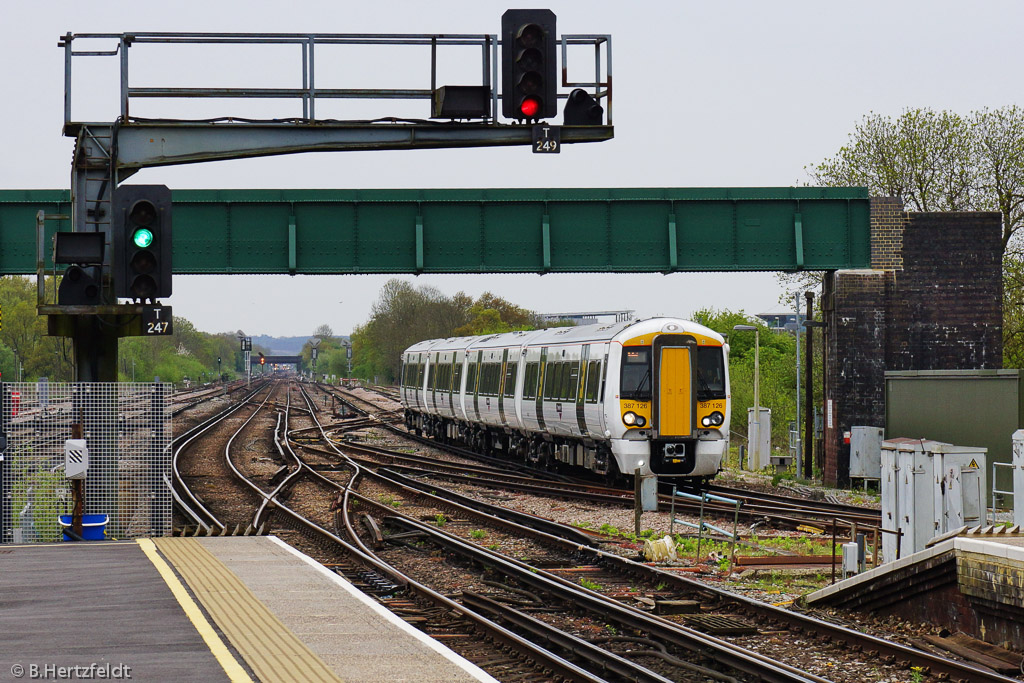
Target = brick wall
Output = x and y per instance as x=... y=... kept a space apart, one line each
x=857 y=327
x=933 y=302
x=887 y=224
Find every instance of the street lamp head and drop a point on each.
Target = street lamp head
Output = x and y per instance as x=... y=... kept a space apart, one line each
x=745 y=328
x=813 y=323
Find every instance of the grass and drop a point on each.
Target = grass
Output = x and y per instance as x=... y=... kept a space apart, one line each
x=440 y=519
x=591 y=585
x=477 y=533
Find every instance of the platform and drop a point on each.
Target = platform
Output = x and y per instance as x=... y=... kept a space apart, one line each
x=201 y=609
x=970 y=580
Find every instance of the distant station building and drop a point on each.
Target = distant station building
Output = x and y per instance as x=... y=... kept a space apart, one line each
x=587 y=318
x=782 y=322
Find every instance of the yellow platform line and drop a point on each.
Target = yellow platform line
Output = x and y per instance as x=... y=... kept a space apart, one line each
x=231 y=667
x=271 y=649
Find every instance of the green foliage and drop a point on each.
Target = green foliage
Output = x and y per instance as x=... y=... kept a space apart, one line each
x=187 y=353
x=777 y=369
x=34 y=483
x=440 y=519
x=404 y=315
x=24 y=335
x=478 y=533
x=591 y=585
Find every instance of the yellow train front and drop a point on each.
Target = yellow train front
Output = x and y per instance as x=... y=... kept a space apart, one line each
x=649 y=395
x=673 y=397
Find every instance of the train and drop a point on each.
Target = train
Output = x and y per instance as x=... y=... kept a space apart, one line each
x=648 y=397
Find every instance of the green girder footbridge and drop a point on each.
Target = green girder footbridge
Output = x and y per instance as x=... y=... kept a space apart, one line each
x=624 y=230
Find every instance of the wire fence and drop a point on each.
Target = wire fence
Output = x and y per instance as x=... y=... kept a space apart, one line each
x=127 y=428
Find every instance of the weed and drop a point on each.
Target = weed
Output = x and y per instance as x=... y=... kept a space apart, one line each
x=591 y=585
x=611 y=629
x=661 y=586
x=493 y=546
x=478 y=533
x=916 y=674
x=440 y=519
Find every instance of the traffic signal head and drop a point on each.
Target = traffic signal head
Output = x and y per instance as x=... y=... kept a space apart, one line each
x=581 y=109
x=142 y=242
x=528 y=64
x=263 y=360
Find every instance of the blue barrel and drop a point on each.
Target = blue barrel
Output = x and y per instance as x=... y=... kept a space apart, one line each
x=94 y=527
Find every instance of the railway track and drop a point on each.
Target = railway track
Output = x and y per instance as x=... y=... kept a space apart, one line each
x=773 y=617
x=487 y=642
x=781 y=510
x=315 y=473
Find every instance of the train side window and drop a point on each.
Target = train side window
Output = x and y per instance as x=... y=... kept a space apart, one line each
x=457 y=384
x=549 y=378
x=530 y=380
x=593 y=381
x=492 y=376
x=471 y=379
x=573 y=382
x=510 y=379
x=563 y=381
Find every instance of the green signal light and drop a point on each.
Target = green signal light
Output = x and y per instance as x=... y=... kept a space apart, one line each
x=142 y=238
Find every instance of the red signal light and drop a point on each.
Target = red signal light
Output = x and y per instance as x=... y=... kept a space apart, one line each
x=530 y=107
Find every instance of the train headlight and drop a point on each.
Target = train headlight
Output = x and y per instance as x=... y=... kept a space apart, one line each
x=640 y=421
x=715 y=419
x=629 y=418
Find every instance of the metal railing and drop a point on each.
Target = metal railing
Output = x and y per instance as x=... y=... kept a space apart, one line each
x=127 y=428
x=306 y=89
x=1009 y=466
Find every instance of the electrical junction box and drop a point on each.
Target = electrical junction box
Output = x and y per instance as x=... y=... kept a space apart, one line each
x=866 y=452
x=851 y=557
x=929 y=488
x=76 y=459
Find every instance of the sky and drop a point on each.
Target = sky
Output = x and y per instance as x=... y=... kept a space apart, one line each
x=735 y=94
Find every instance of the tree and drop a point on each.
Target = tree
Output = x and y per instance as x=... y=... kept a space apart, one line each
x=941 y=161
x=404 y=315
x=777 y=369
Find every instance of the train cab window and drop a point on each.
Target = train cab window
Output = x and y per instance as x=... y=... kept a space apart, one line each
x=510 y=380
x=636 y=373
x=710 y=373
x=530 y=380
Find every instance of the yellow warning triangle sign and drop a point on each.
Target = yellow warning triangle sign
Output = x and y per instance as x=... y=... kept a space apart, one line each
x=974 y=463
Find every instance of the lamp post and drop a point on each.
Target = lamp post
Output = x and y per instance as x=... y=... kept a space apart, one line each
x=756 y=450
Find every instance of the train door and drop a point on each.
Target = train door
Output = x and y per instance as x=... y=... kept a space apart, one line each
x=474 y=375
x=581 y=390
x=501 y=387
x=434 y=376
x=541 y=372
x=452 y=389
x=675 y=408
x=460 y=361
